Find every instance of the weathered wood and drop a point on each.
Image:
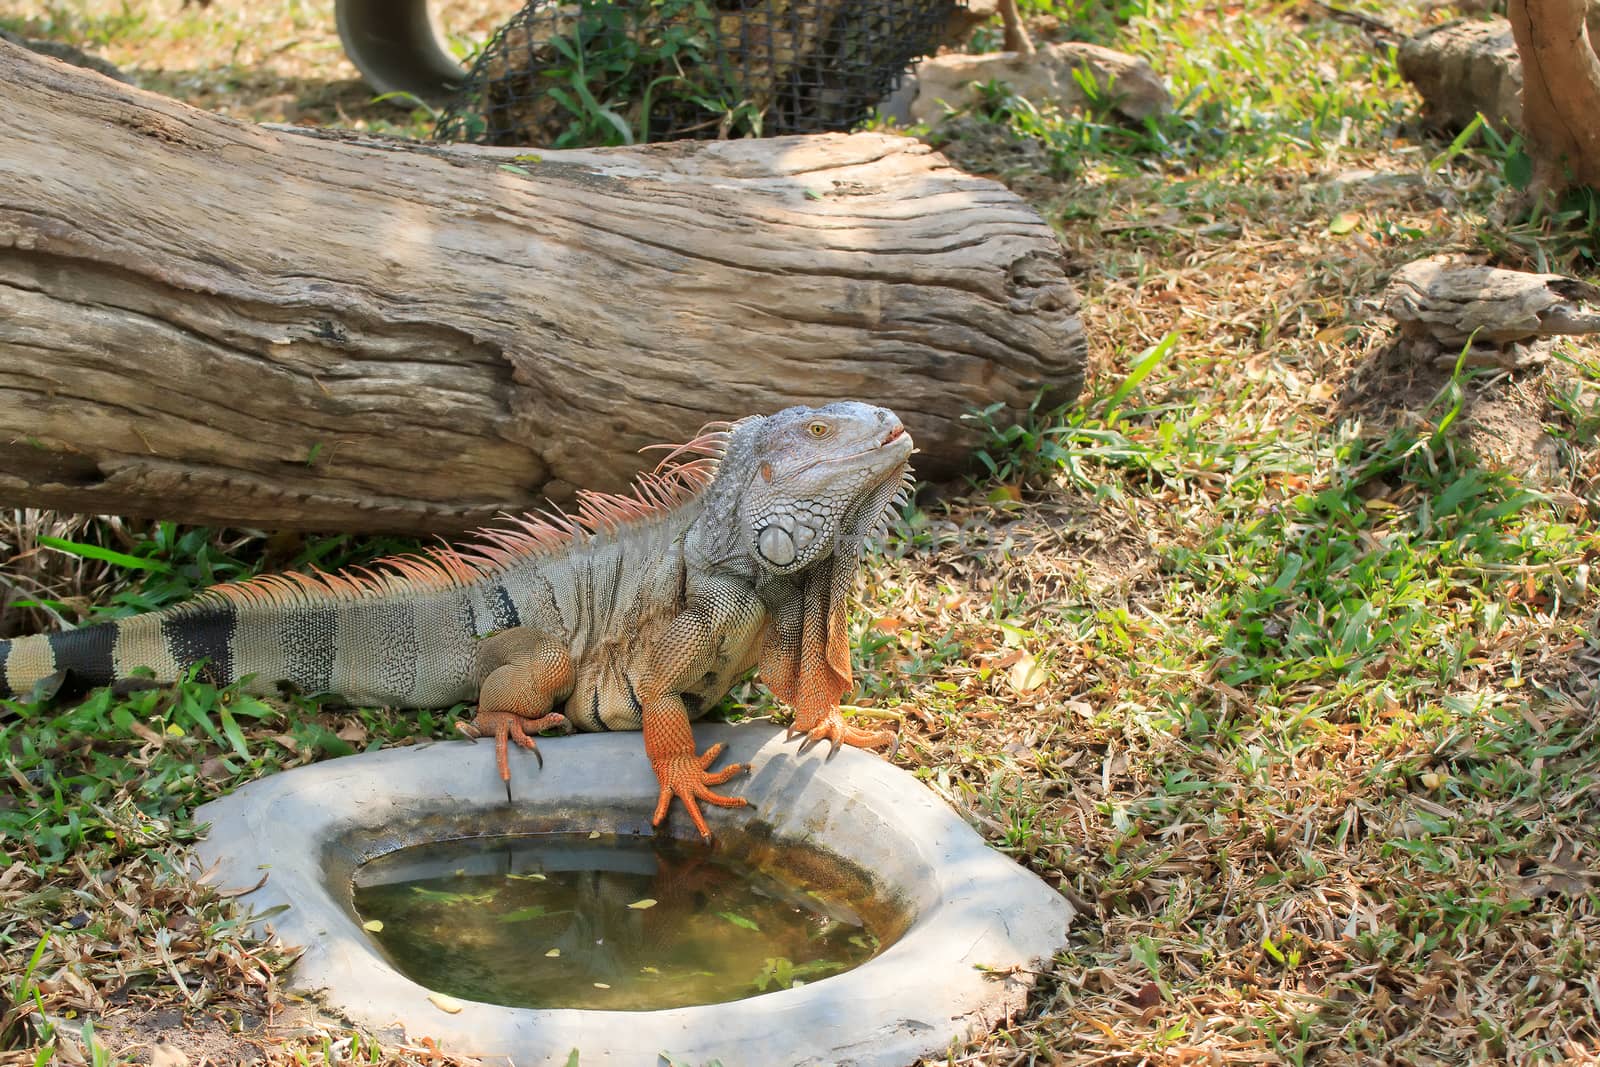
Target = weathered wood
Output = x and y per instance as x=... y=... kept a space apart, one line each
x=1560 y=91
x=1450 y=301
x=211 y=321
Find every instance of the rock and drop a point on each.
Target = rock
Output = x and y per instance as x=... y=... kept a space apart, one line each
x=1130 y=85
x=1445 y=301
x=1464 y=67
x=896 y=107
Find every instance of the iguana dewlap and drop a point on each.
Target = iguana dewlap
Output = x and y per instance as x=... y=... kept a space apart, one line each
x=639 y=612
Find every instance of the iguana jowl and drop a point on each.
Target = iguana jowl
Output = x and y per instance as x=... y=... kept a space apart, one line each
x=637 y=613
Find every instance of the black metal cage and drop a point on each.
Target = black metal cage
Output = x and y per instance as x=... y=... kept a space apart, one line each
x=595 y=72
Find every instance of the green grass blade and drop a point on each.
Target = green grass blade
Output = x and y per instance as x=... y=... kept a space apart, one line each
x=1141 y=370
x=105 y=555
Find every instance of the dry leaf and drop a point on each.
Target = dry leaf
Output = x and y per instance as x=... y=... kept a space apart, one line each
x=640 y=905
x=449 y=1005
x=168 y=1056
x=1005 y=494
x=373 y=925
x=593 y=834
x=601 y=985
x=1026 y=675
x=553 y=953
x=1344 y=222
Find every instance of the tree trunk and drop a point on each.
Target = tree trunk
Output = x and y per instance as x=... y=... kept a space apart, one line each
x=1560 y=92
x=215 y=322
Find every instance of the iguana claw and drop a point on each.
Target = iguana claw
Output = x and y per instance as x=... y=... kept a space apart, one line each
x=831 y=727
x=506 y=726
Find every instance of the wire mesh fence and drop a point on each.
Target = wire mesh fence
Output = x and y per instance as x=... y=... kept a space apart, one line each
x=595 y=72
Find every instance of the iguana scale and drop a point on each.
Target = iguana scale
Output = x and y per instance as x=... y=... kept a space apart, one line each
x=638 y=612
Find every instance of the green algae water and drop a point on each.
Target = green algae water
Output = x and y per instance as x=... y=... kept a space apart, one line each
x=613 y=922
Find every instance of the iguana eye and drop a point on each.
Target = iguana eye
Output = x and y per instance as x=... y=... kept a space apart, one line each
x=818 y=429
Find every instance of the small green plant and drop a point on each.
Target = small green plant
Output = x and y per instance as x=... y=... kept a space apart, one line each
x=21 y=1001
x=615 y=74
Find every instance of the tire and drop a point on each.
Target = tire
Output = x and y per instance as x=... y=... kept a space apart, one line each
x=397 y=47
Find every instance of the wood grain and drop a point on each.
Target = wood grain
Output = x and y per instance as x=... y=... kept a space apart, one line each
x=210 y=321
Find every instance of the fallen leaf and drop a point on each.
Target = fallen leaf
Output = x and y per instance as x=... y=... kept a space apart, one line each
x=1026 y=675
x=374 y=925
x=601 y=985
x=1005 y=494
x=553 y=953
x=1344 y=222
x=640 y=905
x=448 y=1005
x=168 y=1056
x=593 y=834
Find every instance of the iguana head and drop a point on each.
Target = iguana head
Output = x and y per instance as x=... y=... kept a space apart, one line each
x=820 y=480
x=802 y=490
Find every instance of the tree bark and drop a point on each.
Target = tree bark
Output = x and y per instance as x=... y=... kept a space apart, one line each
x=215 y=322
x=1560 y=91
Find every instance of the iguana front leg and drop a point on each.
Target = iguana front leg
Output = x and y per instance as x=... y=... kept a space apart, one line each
x=681 y=657
x=805 y=662
x=522 y=674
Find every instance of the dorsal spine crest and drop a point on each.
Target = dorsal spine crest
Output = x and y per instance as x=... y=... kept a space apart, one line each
x=680 y=477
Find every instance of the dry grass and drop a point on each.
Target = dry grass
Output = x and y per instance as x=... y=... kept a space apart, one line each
x=1280 y=665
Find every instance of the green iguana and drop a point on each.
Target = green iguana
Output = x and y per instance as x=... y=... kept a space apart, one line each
x=636 y=613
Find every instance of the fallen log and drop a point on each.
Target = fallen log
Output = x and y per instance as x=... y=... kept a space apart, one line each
x=210 y=321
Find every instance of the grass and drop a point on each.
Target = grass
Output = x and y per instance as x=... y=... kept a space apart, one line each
x=1276 y=653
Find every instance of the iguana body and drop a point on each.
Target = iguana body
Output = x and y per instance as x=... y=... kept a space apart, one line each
x=637 y=613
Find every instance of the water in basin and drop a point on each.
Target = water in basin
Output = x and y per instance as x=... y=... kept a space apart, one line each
x=616 y=922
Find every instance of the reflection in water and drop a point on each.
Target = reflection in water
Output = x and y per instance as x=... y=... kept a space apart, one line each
x=570 y=920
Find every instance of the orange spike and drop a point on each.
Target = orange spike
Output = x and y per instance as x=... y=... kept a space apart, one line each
x=685 y=470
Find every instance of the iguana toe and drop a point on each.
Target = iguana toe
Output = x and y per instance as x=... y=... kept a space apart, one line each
x=506 y=726
x=833 y=729
x=686 y=778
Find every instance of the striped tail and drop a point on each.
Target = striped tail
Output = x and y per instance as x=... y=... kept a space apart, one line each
x=408 y=649
x=166 y=643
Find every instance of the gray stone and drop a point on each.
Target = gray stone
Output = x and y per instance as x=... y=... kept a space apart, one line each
x=896 y=107
x=1465 y=67
x=1128 y=83
x=981 y=921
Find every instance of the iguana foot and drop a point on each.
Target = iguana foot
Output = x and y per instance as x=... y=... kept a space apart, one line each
x=507 y=725
x=832 y=728
x=686 y=777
